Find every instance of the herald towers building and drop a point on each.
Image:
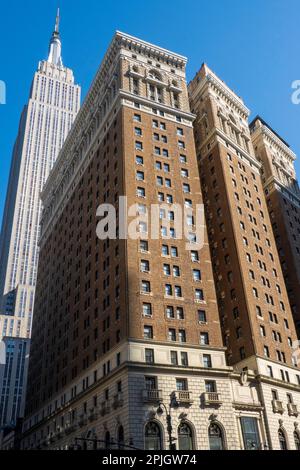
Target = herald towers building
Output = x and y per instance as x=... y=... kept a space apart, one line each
x=127 y=333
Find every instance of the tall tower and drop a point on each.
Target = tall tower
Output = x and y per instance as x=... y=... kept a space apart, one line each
x=127 y=329
x=45 y=122
x=256 y=318
x=283 y=200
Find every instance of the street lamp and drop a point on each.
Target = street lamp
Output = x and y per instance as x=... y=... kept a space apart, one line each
x=160 y=410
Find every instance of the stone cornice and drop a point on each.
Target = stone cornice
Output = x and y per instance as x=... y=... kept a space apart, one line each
x=147 y=47
x=212 y=81
x=275 y=141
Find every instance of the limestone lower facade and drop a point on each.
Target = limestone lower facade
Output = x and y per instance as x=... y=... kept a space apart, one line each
x=137 y=404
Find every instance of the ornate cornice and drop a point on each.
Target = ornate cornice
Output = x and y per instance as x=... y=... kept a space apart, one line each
x=274 y=141
x=213 y=82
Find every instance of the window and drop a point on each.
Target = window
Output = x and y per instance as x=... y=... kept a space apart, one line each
x=149 y=356
x=297 y=440
x=148 y=332
x=282 y=439
x=138 y=131
x=153 y=440
x=250 y=433
x=184 y=358
x=159 y=180
x=139 y=160
x=180 y=313
x=165 y=250
x=172 y=334
x=140 y=176
x=137 y=118
x=202 y=316
x=181 y=336
x=199 y=294
x=258 y=311
x=178 y=291
x=138 y=145
x=176 y=271
x=215 y=435
x=167 y=270
x=146 y=287
x=145 y=266
x=266 y=351
x=186 y=188
x=207 y=363
x=185 y=437
x=168 y=289
x=170 y=312
x=204 y=339
x=144 y=245
x=181 y=385
x=147 y=310
x=141 y=192
x=174 y=252
x=184 y=173
x=150 y=383
x=174 y=358
x=197 y=275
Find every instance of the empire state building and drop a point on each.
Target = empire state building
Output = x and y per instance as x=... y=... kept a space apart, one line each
x=53 y=104
x=45 y=122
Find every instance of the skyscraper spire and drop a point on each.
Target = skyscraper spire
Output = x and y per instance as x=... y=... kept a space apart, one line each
x=55 y=44
x=57 y=21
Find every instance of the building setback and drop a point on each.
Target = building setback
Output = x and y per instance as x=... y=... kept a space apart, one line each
x=283 y=200
x=45 y=122
x=256 y=318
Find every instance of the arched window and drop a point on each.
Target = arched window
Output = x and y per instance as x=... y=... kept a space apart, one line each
x=215 y=435
x=185 y=437
x=282 y=440
x=107 y=440
x=153 y=439
x=297 y=440
x=121 y=437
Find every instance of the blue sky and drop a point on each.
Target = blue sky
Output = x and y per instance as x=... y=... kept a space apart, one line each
x=253 y=45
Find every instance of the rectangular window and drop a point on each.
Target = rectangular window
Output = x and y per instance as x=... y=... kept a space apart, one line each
x=207 y=363
x=147 y=310
x=148 y=332
x=250 y=433
x=149 y=356
x=174 y=358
